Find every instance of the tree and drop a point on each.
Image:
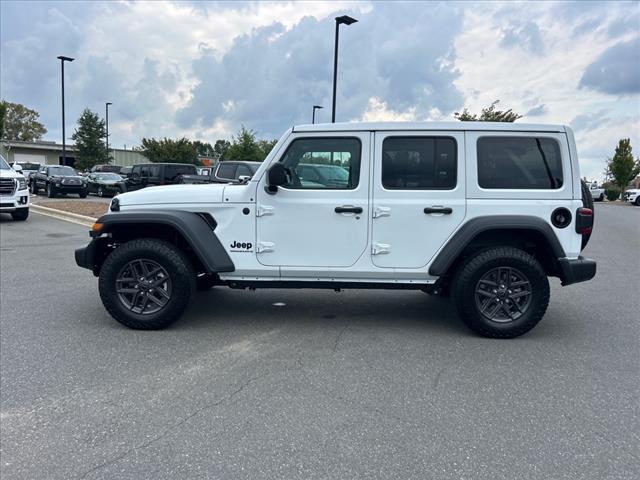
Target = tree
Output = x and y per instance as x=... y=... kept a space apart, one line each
x=622 y=167
x=89 y=138
x=18 y=122
x=489 y=114
x=244 y=147
x=220 y=149
x=265 y=147
x=204 y=149
x=181 y=150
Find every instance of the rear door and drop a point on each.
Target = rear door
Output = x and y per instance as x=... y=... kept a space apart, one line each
x=418 y=195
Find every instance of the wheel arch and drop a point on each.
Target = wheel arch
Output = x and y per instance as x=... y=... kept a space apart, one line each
x=529 y=233
x=193 y=233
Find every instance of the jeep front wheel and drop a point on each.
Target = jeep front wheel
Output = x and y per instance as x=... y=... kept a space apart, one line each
x=501 y=293
x=146 y=284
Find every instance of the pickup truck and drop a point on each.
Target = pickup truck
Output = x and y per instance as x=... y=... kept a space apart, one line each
x=55 y=179
x=597 y=193
x=231 y=171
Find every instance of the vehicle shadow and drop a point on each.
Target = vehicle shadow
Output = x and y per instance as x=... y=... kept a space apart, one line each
x=275 y=308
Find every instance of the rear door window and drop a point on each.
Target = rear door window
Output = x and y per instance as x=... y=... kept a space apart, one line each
x=172 y=172
x=419 y=163
x=519 y=163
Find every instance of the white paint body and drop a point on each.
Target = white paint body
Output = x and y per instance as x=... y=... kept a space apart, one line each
x=14 y=193
x=295 y=234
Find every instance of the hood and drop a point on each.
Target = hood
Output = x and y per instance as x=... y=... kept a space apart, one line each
x=172 y=194
x=11 y=173
x=109 y=182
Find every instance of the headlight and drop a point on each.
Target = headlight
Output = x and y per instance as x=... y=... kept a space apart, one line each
x=22 y=183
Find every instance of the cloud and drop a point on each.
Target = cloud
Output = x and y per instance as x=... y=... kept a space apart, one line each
x=526 y=36
x=616 y=70
x=273 y=76
x=536 y=111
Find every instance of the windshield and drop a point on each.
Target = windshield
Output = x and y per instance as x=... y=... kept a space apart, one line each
x=108 y=176
x=61 y=170
x=3 y=164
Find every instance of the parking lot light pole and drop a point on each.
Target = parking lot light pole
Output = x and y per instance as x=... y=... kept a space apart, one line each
x=347 y=20
x=106 y=106
x=313 y=115
x=64 y=141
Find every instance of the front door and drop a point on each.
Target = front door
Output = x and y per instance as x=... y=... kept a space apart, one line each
x=418 y=195
x=320 y=217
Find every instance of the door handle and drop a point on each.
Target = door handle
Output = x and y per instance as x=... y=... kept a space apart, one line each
x=445 y=210
x=348 y=209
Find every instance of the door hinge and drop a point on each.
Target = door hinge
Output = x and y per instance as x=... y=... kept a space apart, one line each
x=263 y=210
x=381 y=212
x=264 y=247
x=380 y=248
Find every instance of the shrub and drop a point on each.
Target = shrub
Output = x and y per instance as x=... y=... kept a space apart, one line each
x=612 y=193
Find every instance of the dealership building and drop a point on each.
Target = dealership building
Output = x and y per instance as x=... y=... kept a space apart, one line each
x=50 y=153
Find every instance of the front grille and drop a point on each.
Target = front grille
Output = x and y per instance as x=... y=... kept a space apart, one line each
x=71 y=181
x=7 y=186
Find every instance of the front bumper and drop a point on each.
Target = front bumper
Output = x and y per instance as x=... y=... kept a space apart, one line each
x=90 y=256
x=11 y=204
x=62 y=188
x=576 y=270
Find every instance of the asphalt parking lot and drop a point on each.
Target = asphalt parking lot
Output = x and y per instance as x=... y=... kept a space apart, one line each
x=357 y=384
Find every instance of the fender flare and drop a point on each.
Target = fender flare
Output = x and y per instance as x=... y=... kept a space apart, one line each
x=197 y=229
x=471 y=229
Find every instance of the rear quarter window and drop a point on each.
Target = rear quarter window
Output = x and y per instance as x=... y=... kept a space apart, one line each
x=519 y=163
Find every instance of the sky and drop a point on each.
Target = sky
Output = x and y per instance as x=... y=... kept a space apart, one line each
x=204 y=69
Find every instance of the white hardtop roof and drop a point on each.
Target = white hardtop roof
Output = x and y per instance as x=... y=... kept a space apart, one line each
x=429 y=126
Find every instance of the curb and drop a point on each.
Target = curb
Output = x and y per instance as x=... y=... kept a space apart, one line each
x=62 y=215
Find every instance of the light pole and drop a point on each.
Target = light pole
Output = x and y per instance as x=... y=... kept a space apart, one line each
x=347 y=20
x=64 y=141
x=313 y=115
x=106 y=106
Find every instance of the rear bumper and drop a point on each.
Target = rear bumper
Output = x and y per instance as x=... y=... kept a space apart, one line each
x=576 y=270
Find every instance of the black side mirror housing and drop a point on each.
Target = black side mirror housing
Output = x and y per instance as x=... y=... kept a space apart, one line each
x=276 y=176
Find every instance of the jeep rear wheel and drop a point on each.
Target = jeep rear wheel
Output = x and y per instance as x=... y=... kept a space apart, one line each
x=501 y=293
x=146 y=284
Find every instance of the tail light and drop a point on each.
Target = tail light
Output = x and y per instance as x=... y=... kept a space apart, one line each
x=584 y=221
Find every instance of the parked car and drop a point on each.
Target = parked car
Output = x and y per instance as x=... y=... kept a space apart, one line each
x=485 y=211
x=150 y=174
x=58 y=179
x=225 y=172
x=632 y=195
x=27 y=167
x=125 y=171
x=597 y=193
x=103 y=184
x=14 y=192
x=106 y=168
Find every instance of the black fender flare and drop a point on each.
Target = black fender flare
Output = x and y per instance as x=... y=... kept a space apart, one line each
x=197 y=229
x=471 y=229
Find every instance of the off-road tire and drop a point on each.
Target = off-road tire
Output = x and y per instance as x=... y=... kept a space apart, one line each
x=20 y=214
x=166 y=255
x=587 y=202
x=51 y=193
x=469 y=274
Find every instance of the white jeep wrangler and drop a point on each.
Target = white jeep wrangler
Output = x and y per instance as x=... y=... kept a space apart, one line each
x=485 y=211
x=14 y=191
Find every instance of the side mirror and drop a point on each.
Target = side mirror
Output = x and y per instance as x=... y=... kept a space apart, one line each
x=17 y=168
x=276 y=176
